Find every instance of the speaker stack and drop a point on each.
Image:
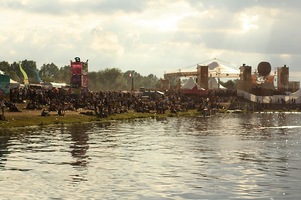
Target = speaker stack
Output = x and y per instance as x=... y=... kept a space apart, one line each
x=202 y=79
x=282 y=78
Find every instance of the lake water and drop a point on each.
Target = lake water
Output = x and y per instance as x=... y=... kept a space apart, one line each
x=227 y=156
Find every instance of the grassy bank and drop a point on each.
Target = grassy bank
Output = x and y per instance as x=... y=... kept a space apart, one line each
x=34 y=118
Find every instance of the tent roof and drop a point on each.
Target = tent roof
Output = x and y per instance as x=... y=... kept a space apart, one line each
x=217 y=67
x=213 y=84
x=190 y=83
x=297 y=93
x=12 y=81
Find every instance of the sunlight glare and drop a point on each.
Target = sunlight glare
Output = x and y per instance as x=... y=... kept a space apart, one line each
x=248 y=22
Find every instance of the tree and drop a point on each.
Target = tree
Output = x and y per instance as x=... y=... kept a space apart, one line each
x=8 y=70
x=230 y=84
x=15 y=68
x=107 y=79
x=111 y=79
x=64 y=74
x=49 y=72
x=150 y=81
x=5 y=67
x=93 y=81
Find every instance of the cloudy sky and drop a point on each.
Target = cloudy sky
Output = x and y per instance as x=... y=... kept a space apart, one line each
x=152 y=36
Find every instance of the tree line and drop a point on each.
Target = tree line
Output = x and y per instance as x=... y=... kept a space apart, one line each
x=106 y=79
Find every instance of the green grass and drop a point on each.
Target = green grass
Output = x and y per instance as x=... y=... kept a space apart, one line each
x=24 y=120
x=29 y=120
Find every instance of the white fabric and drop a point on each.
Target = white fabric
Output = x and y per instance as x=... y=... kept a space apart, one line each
x=219 y=68
x=213 y=84
x=190 y=83
x=297 y=93
x=12 y=81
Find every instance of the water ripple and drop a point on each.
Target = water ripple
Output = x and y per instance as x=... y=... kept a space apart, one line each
x=247 y=156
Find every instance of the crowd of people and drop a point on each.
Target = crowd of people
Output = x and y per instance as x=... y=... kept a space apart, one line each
x=105 y=103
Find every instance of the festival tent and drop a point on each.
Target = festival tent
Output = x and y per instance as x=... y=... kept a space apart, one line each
x=51 y=85
x=219 y=70
x=190 y=84
x=191 y=87
x=297 y=93
x=213 y=84
x=296 y=96
x=13 y=83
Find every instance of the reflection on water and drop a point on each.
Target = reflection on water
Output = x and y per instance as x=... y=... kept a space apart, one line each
x=79 y=145
x=4 y=138
x=228 y=156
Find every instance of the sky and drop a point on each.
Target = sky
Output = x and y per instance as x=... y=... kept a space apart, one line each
x=152 y=36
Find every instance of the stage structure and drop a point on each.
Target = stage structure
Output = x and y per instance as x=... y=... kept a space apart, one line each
x=245 y=78
x=79 y=77
x=203 y=74
x=282 y=78
x=260 y=83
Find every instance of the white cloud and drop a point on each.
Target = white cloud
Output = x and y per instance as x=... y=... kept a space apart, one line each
x=151 y=36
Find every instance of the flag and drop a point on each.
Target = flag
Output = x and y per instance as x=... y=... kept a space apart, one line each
x=37 y=76
x=26 y=82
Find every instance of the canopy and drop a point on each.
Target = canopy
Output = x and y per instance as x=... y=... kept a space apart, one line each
x=218 y=70
x=11 y=81
x=297 y=93
x=191 y=87
x=213 y=84
x=190 y=84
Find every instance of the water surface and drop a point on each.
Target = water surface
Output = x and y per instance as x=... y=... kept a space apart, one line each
x=227 y=156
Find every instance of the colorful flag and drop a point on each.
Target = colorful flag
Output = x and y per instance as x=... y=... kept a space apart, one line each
x=37 y=76
x=26 y=82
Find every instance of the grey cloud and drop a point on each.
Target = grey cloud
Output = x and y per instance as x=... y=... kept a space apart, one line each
x=238 y=5
x=197 y=38
x=61 y=7
x=117 y=5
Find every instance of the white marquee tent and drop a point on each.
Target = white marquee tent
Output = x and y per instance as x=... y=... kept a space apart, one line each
x=221 y=71
x=297 y=93
x=190 y=84
x=213 y=84
x=12 y=82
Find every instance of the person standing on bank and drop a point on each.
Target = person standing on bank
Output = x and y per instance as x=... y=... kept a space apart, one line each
x=2 y=104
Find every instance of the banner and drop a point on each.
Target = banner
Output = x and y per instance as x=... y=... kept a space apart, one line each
x=85 y=68
x=75 y=81
x=79 y=74
x=4 y=85
x=26 y=82
x=85 y=80
x=37 y=76
x=76 y=68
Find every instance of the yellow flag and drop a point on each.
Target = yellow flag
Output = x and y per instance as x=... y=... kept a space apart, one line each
x=26 y=82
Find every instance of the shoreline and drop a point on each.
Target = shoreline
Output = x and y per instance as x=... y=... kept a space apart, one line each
x=28 y=118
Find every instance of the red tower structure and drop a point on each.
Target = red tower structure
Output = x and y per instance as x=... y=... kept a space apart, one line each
x=79 y=76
